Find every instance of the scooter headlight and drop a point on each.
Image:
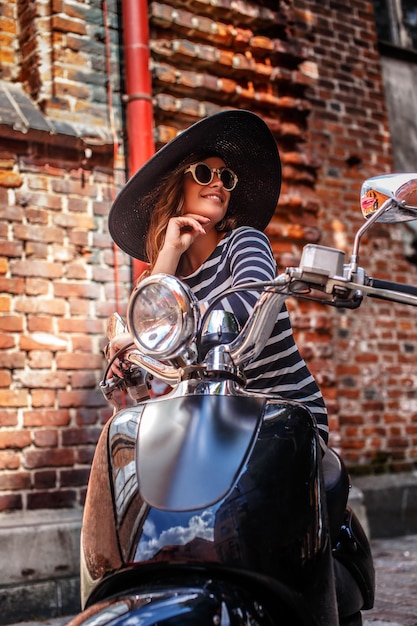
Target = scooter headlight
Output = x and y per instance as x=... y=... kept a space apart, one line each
x=163 y=316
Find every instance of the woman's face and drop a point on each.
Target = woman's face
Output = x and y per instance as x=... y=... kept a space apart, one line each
x=209 y=200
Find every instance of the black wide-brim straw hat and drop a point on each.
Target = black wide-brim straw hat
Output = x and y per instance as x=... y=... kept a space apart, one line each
x=246 y=145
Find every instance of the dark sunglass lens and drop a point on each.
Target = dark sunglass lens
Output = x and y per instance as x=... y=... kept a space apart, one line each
x=228 y=179
x=203 y=173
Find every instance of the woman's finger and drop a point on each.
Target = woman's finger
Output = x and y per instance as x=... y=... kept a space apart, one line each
x=117 y=343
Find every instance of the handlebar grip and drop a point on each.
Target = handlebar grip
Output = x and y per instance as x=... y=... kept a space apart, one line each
x=391 y=286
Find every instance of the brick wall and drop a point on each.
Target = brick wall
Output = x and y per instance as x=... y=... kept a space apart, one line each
x=58 y=175
x=311 y=69
x=372 y=397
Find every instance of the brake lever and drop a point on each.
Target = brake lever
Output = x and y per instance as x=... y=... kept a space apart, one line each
x=109 y=386
x=134 y=382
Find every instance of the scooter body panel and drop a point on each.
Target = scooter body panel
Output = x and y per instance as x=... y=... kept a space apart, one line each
x=265 y=517
x=264 y=522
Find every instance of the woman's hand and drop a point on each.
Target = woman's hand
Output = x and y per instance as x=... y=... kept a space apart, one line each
x=180 y=234
x=117 y=343
x=183 y=230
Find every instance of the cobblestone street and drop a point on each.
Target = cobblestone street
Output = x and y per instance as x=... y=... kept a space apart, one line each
x=396 y=578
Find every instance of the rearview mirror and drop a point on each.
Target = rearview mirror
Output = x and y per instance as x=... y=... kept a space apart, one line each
x=396 y=192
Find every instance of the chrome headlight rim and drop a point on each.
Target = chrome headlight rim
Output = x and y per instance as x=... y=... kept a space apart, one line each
x=187 y=314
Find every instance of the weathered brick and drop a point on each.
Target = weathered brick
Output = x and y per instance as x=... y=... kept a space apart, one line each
x=79 y=361
x=45 y=479
x=52 y=499
x=79 y=238
x=82 y=343
x=56 y=457
x=84 y=454
x=10 y=179
x=77 y=270
x=36 y=250
x=11 y=502
x=5 y=378
x=89 y=416
x=38 y=269
x=40 y=359
x=88 y=326
x=14 y=481
x=75 y=221
x=69 y=399
x=11 y=323
x=43 y=398
x=40 y=324
x=74 y=478
x=44 y=200
x=46 y=417
x=9 y=460
x=43 y=341
x=13 y=398
x=41 y=306
x=80 y=436
x=14 y=286
x=45 y=438
x=5 y=304
x=39 y=379
x=37 y=216
x=76 y=289
x=12 y=439
x=79 y=308
x=8 y=417
x=11 y=249
x=64 y=24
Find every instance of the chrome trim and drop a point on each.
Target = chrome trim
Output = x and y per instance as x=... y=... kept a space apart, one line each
x=188 y=313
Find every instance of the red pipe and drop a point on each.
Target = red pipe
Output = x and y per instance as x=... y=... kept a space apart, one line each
x=139 y=110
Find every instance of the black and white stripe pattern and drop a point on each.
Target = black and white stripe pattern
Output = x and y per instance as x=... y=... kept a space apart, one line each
x=242 y=256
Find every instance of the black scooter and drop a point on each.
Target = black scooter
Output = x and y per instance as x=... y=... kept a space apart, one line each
x=213 y=505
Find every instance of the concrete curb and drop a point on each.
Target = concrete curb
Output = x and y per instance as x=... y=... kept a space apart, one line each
x=41 y=578
x=391 y=503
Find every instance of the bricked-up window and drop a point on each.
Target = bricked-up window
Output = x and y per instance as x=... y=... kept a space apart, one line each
x=396 y=22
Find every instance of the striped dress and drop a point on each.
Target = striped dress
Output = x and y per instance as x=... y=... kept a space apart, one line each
x=245 y=255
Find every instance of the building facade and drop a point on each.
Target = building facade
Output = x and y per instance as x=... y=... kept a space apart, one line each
x=69 y=80
x=314 y=71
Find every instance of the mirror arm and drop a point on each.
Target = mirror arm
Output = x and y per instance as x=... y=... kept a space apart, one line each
x=354 y=259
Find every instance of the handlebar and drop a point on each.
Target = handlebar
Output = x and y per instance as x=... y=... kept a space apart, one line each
x=391 y=286
x=321 y=276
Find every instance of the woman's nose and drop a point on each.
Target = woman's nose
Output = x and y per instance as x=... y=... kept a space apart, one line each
x=216 y=178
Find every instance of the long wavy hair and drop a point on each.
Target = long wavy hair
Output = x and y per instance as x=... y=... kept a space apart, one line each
x=168 y=200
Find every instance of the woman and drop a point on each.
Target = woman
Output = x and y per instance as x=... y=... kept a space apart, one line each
x=197 y=210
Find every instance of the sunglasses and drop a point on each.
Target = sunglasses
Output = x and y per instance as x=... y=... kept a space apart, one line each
x=203 y=174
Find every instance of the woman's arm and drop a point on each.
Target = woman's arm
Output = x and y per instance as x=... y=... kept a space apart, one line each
x=250 y=260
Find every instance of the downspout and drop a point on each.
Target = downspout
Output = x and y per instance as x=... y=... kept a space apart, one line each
x=138 y=98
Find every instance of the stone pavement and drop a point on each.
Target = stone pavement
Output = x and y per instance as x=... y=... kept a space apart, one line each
x=396 y=582
x=396 y=592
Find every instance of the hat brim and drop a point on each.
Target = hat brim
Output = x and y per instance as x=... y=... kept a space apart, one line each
x=241 y=139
